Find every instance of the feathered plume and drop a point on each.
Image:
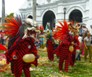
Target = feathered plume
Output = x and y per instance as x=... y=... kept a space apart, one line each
x=11 y=27
x=2 y=47
x=61 y=34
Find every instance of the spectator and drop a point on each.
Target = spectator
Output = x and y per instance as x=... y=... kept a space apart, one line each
x=87 y=43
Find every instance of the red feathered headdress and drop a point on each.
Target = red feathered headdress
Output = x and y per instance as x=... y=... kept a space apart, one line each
x=2 y=47
x=12 y=26
x=62 y=33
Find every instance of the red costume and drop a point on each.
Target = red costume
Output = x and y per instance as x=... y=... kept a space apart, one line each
x=64 y=53
x=16 y=53
x=50 y=48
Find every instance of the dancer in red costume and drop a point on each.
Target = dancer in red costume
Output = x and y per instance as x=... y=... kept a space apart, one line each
x=75 y=43
x=63 y=50
x=20 y=47
x=50 y=46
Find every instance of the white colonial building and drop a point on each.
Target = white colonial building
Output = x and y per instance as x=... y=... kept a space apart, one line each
x=54 y=10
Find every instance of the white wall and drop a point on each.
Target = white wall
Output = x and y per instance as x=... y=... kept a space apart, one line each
x=89 y=6
x=41 y=2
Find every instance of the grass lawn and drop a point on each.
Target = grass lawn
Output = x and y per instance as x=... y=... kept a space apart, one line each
x=50 y=69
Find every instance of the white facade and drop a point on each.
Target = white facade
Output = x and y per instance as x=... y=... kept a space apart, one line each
x=57 y=6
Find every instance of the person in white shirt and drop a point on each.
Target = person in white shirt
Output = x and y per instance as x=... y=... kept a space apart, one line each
x=87 y=43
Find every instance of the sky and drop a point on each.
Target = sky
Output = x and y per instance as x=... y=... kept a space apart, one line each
x=11 y=6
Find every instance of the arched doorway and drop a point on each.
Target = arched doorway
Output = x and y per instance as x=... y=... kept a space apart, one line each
x=49 y=17
x=76 y=16
x=30 y=16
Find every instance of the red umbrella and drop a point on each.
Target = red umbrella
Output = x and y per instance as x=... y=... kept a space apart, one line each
x=2 y=47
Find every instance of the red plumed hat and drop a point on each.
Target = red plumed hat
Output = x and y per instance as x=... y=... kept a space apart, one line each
x=2 y=47
x=62 y=33
x=11 y=27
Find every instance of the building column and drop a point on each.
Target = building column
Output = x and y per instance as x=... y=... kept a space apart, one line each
x=34 y=10
x=3 y=11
